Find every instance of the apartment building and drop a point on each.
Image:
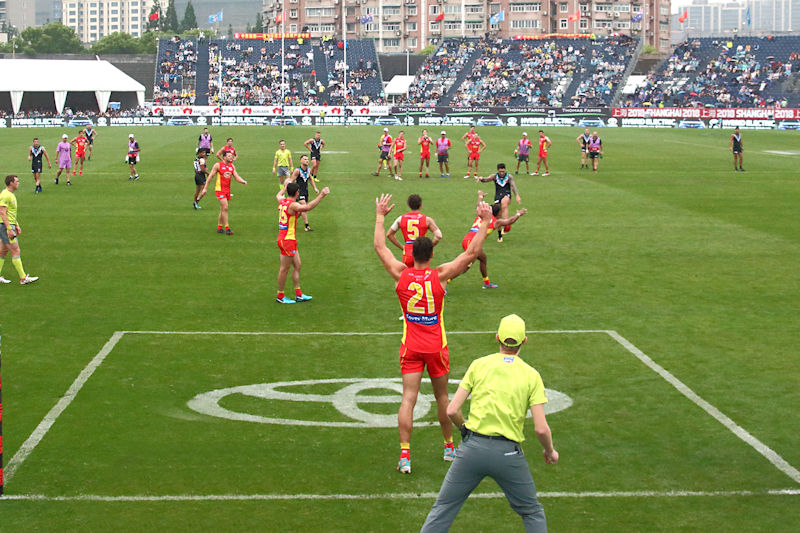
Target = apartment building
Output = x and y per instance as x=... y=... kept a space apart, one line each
x=94 y=19
x=400 y=25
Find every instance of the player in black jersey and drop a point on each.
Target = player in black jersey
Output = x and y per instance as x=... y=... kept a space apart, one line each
x=200 y=174
x=736 y=147
x=91 y=135
x=583 y=141
x=315 y=146
x=504 y=186
x=302 y=176
x=35 y=154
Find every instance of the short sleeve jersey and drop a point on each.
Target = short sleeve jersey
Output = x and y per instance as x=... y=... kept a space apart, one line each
x=287 y=224
x=503 y=387
x=422 y=300
x=9 y=201
x=224 y=176
x=283 y=157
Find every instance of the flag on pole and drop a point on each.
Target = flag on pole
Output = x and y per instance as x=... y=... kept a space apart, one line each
x=683 y=18
x=638 y=16
x=153 y=16
x=439 y=17
x=575 y=17
x=216 y=17
x=279 y=18
x=366 y=18
x=498 y=17
x=747 y=13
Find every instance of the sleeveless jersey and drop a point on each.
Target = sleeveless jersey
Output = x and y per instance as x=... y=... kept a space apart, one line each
x=399 y=144
x=224 y=176
x=502 y=186
x=205 y=140
x=316 y=146
x=133 y=148
x=594 y=144
x=585 y=139
x=302 y=180
x=80 y=143
x=542 y=146
x=386 y=143
x=198 y=171
x=287 y=224
x=737 y=142
x=474 y=145
x=36 y=154
x=524 y=147
x=476 y=226
x=425 y=146
x=422 y=300
x=89 y=132
x=413 y=225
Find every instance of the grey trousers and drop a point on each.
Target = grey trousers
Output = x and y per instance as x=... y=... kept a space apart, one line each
x=501 y=460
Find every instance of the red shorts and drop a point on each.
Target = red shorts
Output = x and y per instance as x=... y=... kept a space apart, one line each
x=438 y=363
x=288 y=247
x=81 y=154
x=408 y=259
x=542 y=154
x=467 y=239
x=399 y=157
x=223 y=195
x=425 y=155
x=474 y=156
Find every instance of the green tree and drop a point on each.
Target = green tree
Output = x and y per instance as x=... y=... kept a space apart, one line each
x=170 y=22
x=55 y=38
x=148 y=42
x=230 y=31
x=156 y=9
x=189 y=21
x=118 y=43
x=259 y=27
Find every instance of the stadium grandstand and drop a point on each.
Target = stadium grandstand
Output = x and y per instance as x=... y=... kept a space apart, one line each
x=719 y=72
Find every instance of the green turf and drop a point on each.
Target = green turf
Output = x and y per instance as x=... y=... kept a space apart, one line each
x=694 y=264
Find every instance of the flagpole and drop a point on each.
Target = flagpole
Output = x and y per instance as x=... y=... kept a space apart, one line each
x=344 y=47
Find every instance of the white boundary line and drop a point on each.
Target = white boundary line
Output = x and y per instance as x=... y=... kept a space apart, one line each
x=390 y=496
x=44 y=426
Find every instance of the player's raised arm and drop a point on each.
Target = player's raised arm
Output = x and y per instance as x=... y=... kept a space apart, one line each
x=390 y=263
x=484 y=179
x=500 y=222
x=461 y=263
x=437 y=233
x=297 y=207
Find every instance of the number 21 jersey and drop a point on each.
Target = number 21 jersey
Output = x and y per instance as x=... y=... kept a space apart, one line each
x=422 y=300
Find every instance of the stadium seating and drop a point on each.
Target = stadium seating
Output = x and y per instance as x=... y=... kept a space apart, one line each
x=723 y=72
x=175 y=72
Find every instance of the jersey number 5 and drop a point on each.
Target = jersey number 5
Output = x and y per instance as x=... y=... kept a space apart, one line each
x=419 y=294
x=283 y=217
x=412 y=230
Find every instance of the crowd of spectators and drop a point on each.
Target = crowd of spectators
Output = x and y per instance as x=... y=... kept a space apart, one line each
x=720 y=73
x=176 y=73
x=69 y=113
x=362 y=75
x=440 y=71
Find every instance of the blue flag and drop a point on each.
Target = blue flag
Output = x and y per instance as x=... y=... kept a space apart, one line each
x=638 y=16
x=212 y=19
x=366 y=18
x=747 y=13
x=219 y=16
x=498 y=17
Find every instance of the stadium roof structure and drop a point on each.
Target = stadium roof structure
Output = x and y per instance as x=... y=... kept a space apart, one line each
x=18 y=76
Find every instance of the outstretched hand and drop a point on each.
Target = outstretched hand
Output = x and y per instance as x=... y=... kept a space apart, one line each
x=522 y=211
x=484 y=211
x=382 y=206
x=325 y=191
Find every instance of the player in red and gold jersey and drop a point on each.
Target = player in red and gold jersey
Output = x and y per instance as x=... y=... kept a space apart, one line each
x=494 y=224
x=420 y=290
x=223 y=171
x=399 y=151
x=544 y=146
x=475 y=146
x=424 y=143
x=80 y=143
x=412 y=225
x=288 y=208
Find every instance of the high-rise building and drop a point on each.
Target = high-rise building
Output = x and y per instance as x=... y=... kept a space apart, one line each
x=94 y=19
x=399 y=25
x=707 y=18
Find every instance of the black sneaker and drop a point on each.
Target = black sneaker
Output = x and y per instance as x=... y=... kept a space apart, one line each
x=130 y=178
x=220 y=230
x=56 y=181
x=228 y=231
x=309 y=228
x=69 y=183
x=741 y=169
x=136 y=177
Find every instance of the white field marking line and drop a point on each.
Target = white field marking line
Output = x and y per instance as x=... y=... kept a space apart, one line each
x=392 y=496
x=351 y=333
x=772 y=456
x=720 y=148
x=50 y=418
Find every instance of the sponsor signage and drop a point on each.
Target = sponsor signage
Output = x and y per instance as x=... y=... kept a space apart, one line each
x=56 y=122
x=268 y=36
x=706 y=113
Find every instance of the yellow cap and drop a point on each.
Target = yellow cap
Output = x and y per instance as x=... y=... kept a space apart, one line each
x=511 y=331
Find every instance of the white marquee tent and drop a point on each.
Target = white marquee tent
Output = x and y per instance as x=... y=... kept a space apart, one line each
x=60 y=77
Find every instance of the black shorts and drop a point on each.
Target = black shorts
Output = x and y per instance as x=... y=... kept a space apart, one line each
x=318 y=157
x=522 y=157
x=36 y=168
x=384 y=156
x=441 y=158
x=91 y=140
x=132 y=160
x=302 y=197
x=584 y=149
x=593 y=155
x=499 y=197
x=199 y=179
x=739 y=151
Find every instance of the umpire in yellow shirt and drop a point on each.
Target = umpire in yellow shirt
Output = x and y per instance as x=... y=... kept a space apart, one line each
x=503 y=388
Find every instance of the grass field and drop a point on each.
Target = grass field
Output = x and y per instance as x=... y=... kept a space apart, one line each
x=666 y=254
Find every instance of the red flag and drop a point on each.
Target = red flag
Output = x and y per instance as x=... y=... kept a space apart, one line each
x=153 y=16
x=439 y=17
x=684 y=17
x=575 y=17
x=279 y=18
